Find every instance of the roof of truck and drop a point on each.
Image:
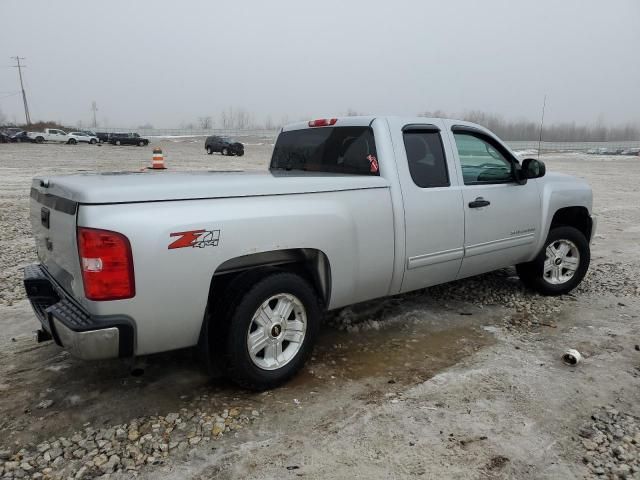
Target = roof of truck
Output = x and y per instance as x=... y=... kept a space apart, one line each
x=365 y=120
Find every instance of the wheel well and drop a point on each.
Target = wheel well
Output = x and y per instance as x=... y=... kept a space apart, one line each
x=577 y=217
x=311 y=264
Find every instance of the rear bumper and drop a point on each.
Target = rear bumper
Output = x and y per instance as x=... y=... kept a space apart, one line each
x=85 y=336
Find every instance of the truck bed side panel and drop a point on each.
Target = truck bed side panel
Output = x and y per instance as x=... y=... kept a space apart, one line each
x=353 y=228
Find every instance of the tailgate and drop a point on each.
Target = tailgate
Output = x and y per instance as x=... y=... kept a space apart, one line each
x=53 y=221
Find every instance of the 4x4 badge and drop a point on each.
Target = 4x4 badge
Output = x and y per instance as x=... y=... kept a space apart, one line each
x=195 y=239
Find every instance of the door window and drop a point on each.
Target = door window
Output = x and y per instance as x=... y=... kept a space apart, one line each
x=481 y=161
x=426 y=159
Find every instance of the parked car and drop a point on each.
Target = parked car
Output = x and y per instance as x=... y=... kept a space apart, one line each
x=51 y=135
x=127 y=139
x=82 y=137
x=244 y=265
x=21 y=137
x=4 y=138
x=223 y=145
x=631 y=151
x=103 y=137
x=9 y=131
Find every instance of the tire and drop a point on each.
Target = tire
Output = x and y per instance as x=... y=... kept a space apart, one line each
x=553 y=272
x=240 y=153
x=72 y=141
x=270 y=366
x=141 y=143
x=118 y=142
x=209 y=150
x=39 y=139
x=225 y=151
x=93 y=141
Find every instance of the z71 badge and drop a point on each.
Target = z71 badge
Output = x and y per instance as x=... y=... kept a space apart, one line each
x=195 y=239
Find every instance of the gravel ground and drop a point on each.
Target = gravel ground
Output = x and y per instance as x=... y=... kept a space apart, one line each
x=612 y=443
x=462 y=379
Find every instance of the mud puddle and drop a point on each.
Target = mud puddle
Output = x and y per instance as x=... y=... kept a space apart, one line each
x=395 y=354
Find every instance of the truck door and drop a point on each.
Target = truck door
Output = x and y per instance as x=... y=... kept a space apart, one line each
x=502 y=217
x=434 y=218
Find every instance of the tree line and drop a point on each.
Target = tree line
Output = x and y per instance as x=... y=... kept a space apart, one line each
x=526 y=130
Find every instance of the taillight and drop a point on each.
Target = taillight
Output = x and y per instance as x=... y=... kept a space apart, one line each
x=106 y=263
x=323 y=122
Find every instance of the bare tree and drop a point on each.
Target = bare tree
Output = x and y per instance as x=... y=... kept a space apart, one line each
x=242 y=119
x=206 y=123
x=227 y=118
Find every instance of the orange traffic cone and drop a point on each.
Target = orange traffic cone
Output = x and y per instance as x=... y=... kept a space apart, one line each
x=158 y=160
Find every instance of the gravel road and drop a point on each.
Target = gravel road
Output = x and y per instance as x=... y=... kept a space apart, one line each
x=460 y=380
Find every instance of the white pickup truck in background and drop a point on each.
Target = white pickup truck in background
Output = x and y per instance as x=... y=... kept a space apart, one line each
x=243 y=264
x=50 y=135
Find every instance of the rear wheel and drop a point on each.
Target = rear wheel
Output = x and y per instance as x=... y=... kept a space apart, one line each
x=93 y=141
x=141 y=143
x=240 y=153
x=39 y=139
x=272 y=327
x=72 y=141
x=561 y=265
x=117 y=142
x=225 y=151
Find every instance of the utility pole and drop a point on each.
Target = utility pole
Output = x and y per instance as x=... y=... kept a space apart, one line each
x=94 y=108
x=24 y=95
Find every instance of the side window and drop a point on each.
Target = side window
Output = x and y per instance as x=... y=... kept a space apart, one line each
x=425 y=155
x=481 y=162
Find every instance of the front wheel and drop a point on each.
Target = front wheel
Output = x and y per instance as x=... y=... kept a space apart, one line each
x=225 y=151
x=273 y=325
x=141 y=143
x=117 y=142
x=240 y=153
x=561 y=265
x=209 y=150
x=72 y=141
x=93 y=141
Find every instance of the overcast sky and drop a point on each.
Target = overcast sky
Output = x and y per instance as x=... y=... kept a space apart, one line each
x=169 y=62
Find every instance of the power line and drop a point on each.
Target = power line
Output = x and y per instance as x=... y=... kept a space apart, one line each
x=24 y=95
x=9 y=95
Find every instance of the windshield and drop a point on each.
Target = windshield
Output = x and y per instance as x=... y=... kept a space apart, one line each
x=327 y=149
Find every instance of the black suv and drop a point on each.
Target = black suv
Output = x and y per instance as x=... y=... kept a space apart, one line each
x=127 y=139
x=224 y=145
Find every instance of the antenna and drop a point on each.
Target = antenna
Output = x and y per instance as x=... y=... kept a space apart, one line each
x=24 y=95
x=544 y=104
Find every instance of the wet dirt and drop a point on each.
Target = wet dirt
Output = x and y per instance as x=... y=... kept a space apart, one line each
x=403 y=352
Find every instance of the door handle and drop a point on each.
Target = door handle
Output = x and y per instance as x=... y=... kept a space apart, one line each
x=479 y=202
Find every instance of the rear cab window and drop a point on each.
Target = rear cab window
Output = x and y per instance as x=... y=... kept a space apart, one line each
x=425 y=156
x=349 y=150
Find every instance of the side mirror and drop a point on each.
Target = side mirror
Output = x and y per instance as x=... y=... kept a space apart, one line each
x=532 y=168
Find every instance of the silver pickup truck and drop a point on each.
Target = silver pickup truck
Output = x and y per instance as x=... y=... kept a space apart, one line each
x=243 y=265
